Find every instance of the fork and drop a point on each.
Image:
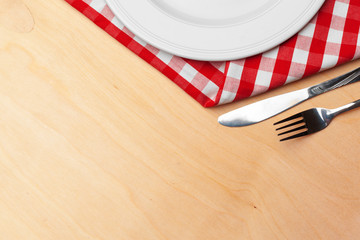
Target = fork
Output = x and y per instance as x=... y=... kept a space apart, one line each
x=312 y=120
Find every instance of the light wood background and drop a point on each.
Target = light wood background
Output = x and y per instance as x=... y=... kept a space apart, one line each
x=92 y=148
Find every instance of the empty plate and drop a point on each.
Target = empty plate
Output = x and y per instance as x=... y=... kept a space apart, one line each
x=214 y=30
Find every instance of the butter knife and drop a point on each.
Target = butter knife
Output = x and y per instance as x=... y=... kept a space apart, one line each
x=267 y=108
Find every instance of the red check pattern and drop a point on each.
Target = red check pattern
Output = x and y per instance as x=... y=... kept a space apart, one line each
x=331 y=38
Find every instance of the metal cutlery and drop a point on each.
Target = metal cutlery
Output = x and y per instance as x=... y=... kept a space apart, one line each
x=270 y=107
x=312 y=120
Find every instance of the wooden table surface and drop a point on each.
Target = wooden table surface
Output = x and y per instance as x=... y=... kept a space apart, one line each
x=92 y=148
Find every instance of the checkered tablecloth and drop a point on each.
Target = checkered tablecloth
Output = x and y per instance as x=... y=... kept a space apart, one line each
x=330 y=39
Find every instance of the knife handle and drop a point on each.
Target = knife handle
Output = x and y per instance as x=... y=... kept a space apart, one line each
x=347 y=78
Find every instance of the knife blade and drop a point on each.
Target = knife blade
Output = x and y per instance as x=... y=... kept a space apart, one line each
x=267 y=108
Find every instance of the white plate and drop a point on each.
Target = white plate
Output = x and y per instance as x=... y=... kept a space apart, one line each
x=215 y=30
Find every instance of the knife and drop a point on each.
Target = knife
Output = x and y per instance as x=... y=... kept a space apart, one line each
x=267 y=108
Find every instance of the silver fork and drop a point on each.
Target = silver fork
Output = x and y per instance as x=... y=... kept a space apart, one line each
x=312 y=120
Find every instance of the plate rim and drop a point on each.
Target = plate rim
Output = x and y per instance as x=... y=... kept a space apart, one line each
x=214 y=55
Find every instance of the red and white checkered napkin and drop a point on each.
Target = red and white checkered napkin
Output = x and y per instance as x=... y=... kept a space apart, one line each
x=331 y=38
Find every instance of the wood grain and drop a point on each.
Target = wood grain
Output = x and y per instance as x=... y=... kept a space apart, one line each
x=96 y=144
x=15 y=16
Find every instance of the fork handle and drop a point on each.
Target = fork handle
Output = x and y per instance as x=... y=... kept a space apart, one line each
x=346 y=108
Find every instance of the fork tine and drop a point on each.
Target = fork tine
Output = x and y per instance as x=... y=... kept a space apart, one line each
x=289 y=118
x=293 y=130
x=291 y=124
x=295 y=136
